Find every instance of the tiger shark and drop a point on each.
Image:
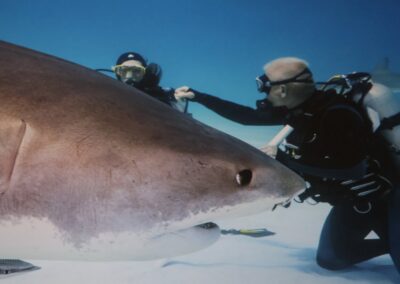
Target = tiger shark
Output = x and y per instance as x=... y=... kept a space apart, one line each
x=93 y=169
x=382 y=74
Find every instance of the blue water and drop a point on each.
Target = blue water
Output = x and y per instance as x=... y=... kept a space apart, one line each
x=216 y=46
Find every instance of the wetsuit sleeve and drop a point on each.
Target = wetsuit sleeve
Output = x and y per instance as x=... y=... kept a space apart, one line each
x=390 y=122
x=239 y=113
x=344 y=135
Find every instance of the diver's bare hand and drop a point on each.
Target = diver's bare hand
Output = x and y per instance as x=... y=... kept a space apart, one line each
x=183 y=93
x=270 y=150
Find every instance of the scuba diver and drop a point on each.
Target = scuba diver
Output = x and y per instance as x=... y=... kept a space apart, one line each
x=333 y=147
x=131 y=68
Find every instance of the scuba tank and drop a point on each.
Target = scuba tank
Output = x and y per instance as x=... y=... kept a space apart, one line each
x=381 y=100
x=379 y=103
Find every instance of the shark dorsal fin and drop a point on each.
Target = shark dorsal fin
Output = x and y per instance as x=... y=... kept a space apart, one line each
x=383 y=65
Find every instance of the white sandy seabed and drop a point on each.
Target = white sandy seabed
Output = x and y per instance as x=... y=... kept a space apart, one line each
x=287 y=257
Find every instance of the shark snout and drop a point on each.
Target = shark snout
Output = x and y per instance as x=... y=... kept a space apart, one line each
x=282 y=182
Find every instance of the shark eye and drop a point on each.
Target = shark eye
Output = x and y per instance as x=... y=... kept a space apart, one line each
x=243 y=178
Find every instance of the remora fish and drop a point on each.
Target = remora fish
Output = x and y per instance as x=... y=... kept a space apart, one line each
x=382 y=74
x=93 y=169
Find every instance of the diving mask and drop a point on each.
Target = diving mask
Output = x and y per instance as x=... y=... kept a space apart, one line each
x=126 y=72
x=264 y=84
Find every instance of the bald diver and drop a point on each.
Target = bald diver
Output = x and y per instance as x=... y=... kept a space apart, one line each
x=335 y=149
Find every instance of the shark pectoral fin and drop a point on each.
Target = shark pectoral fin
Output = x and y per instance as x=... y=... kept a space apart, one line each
x=8 y=266
x=12 y=133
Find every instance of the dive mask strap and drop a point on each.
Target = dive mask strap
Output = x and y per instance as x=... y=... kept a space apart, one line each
x=264 y=84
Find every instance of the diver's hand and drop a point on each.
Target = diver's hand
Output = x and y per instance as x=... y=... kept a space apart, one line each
x=270 y=150
x=183 y=93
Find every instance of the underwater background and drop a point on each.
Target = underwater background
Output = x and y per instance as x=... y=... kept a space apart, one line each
x=218 y=47
x=214 y=46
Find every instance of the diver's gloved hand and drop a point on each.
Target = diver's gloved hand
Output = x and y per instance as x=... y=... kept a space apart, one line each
x=183 y=93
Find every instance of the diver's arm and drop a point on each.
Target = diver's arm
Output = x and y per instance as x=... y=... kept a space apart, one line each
x=390 y=122
x=239 y=113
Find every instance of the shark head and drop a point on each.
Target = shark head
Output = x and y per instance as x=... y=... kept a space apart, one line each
x=95 y=169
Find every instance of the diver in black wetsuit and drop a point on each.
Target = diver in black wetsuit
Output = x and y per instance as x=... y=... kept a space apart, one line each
x=132 y=69
x=333 y=148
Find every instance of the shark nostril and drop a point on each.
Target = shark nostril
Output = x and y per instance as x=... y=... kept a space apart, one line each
x=243 y=178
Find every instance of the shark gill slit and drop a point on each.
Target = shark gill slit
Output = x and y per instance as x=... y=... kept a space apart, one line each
x=22 y=132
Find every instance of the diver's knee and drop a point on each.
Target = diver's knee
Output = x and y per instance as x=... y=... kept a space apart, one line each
x=331 y=263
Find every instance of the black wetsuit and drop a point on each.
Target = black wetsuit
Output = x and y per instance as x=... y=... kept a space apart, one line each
x=329 y=145
x=165 y=95
x=265 y=114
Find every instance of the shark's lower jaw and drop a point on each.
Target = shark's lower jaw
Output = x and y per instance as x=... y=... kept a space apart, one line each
x=170 y=239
